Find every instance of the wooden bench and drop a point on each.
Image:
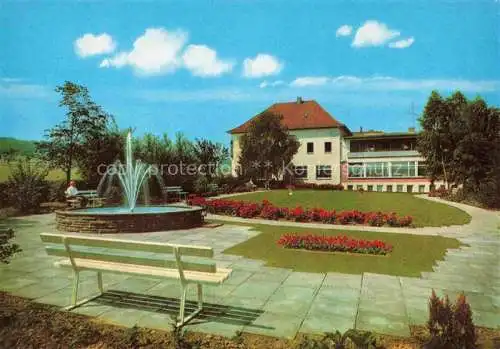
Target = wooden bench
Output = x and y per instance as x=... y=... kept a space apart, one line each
x=176 y=190
x=96 y=254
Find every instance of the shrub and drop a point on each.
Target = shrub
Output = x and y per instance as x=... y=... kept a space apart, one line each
x=56 y=190
x=441 y=192
x=339 y=243
x=324 y=186
x=450 y=326
x=26 y=186
x=200 y=184
x=7 y=249
x=268 y=211
x=349 y=339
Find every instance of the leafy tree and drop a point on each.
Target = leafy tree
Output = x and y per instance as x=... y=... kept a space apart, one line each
x=98 y=152
x=85 y=122
x=267 y=147
x=435 y=142
x=460 y=140
x=210 y=155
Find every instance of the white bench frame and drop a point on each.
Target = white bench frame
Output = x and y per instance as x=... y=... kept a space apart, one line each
x=184 y=282
x=177 y=190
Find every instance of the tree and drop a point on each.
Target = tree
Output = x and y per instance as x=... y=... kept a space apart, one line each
x=210 y=155
x=85 y=122
x=267 y=148
x=460 y=140
x=435 y=142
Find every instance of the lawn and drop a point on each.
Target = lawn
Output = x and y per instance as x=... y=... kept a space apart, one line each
x=411 y=254
x=425 y=213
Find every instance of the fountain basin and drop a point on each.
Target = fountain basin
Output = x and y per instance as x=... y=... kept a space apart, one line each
x=113 y=220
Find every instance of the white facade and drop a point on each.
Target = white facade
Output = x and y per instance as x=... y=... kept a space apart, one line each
x=319 y=156
x=393 y=171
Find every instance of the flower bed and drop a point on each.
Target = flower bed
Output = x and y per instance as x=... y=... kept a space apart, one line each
x=338 y=243
x=267 y=210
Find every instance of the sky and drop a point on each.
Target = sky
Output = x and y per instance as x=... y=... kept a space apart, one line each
x=204 y=67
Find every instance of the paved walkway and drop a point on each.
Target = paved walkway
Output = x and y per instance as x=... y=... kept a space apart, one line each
x=272 y=301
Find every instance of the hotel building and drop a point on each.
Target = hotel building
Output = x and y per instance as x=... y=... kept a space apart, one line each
x=331 y=153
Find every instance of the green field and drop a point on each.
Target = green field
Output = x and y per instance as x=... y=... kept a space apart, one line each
x=424 y=212
x=54 y=175
x=406 y=258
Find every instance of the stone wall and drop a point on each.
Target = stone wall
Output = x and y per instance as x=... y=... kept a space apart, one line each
x=70 y=221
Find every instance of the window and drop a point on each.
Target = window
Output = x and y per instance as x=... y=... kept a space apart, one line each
x=300 y=171
x=328 y=147
x=380 y=187
x=310 y=147
x=421 y=188
x=377 y=169
x=350 y=187
x=356 y=169
x=389 y=188
x=432 y=187
x=422 y=169
x=323 y=172
x=403 y=169
x=409 y=188
x=370 y=188
x=399 y=188
x=359 y=187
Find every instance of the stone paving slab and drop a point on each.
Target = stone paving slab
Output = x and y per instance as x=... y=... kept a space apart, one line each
x=268 y=300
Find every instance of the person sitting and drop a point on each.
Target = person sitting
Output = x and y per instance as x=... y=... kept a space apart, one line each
x=72 y=191
x=72 y=195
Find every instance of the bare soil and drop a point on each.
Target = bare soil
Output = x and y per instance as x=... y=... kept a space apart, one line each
x=25 y=324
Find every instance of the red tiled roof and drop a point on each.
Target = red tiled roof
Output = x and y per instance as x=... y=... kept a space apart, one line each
x=296 y=116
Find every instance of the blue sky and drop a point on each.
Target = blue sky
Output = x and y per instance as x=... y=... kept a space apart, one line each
x=204 y=67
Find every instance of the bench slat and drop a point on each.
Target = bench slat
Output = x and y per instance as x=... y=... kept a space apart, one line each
x=156 y=247
x=192 y=276
x=117 y=257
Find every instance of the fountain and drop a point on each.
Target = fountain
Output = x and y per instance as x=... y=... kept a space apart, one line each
x=133 y=178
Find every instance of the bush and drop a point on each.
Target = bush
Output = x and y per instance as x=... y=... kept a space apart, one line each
x=489 y=194
x=56 y=190
x=339 y=243
x=7 y=249
x=4 y=199
x=298 y=214
x=450 y=326
x=200 y=184
x=27 y=187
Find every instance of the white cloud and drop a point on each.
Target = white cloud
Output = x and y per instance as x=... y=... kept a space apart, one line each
x=310 y=81
x=373 y=33
x=11 y=88
x=91 y=45
x=262 y=65
x=201 y=60
x=387 y=83
x=155 y=52
x=344 y=30
x=402 y=43
x=265 y=84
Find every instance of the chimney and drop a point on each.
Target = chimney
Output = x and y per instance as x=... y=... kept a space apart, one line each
x=299 y=100
x=360 y=129
x=411 y=129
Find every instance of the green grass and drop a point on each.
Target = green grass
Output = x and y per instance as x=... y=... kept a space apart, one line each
x=425 y=213
x=411 y=254
x=54 y=175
